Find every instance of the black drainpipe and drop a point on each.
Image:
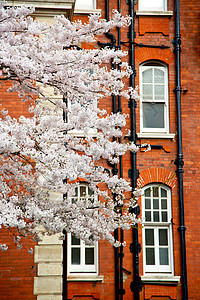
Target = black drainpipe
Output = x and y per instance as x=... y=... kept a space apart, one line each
x=134 y=246
x=64 y=293
x=121 y=253
x=115 y=170
x=179 y=161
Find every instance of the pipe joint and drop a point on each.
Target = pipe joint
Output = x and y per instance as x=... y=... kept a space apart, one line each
x=177 y=89
x=182 y=229
x=179 y=162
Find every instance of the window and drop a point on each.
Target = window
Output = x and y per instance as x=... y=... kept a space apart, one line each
x=154 y=5
x=154 y=98
x=82 y=257
x=85 y=4
x=157 y=231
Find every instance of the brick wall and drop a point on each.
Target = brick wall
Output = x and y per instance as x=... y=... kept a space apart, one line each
x=17 y=268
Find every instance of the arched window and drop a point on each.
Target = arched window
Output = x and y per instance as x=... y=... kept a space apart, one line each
x=82 y=257
x=157 y=231
x=154 y=111
x=154 y=5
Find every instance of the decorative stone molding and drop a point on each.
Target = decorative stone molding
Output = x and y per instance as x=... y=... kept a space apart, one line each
x=49 y=256
x=48 y=8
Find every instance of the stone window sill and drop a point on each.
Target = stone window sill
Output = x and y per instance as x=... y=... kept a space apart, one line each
x=160 y=279
x=82 y=277
x=154 y=13
x=149 y=135
x=87 y=11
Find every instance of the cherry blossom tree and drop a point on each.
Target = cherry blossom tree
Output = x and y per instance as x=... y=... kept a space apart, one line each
x=46 y=156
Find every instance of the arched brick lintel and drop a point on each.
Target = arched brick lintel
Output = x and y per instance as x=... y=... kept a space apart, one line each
x=161 y=175
x=144 y=54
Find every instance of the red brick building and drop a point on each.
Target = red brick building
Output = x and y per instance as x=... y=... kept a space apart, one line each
x=162 y=258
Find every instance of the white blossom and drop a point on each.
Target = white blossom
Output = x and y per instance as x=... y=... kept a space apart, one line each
x=41 y=158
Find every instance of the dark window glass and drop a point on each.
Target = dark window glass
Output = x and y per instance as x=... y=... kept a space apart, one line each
x=147 y=203
x=156 y=216
x=163 y=237
x=164 y=257
x=75 y=241
x=164 y=203
x=148 y=216
x=164 y=216
x=163 y=193
x=147 y=192
x=150 y=256
x=89 y=256
x=75 y=256
x=149 y=237
x=153 y=115
x=155 y=203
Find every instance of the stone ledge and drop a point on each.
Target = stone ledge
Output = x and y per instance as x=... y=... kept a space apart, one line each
x=154 y=13
x=156 y=135
x=83 y=277
x=160 y=279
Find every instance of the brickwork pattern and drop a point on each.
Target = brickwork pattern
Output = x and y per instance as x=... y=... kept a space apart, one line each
x=17 y=268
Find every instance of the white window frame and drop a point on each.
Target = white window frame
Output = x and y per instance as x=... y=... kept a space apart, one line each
x=84 y=6
x=157 y=268
x=155 y=65
x=82 y=268
x=143 y=7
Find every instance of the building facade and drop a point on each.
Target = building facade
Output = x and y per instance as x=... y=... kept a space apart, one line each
x=161 y=259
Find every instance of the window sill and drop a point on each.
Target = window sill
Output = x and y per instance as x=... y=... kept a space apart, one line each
x=154 y=13
x=83 y=277
x=87 y=11
x=156 y=135
x=160 y=279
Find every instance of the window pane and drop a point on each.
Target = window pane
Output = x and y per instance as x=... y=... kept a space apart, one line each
x=82 y=191
x=90 y=192
x=89 y=256
x=148 y=192
x=163 y=238
x=152 y=5
x=156 y=216
x=150 y=256
x=75 y=241
x=158 y=76
x=147 y=203
x=164 y=216
x=164 y=203
x=75 y=256
x=164 y=259
x=147 y=76
x=155 y=203
x=148 y=216
x=149 y=237
x=153 y=115
x=159 y=92
x=155 y=191
x=147 y=92
x=163 y=193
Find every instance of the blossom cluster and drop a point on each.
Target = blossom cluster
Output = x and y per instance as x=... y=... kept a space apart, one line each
x=46 y=156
